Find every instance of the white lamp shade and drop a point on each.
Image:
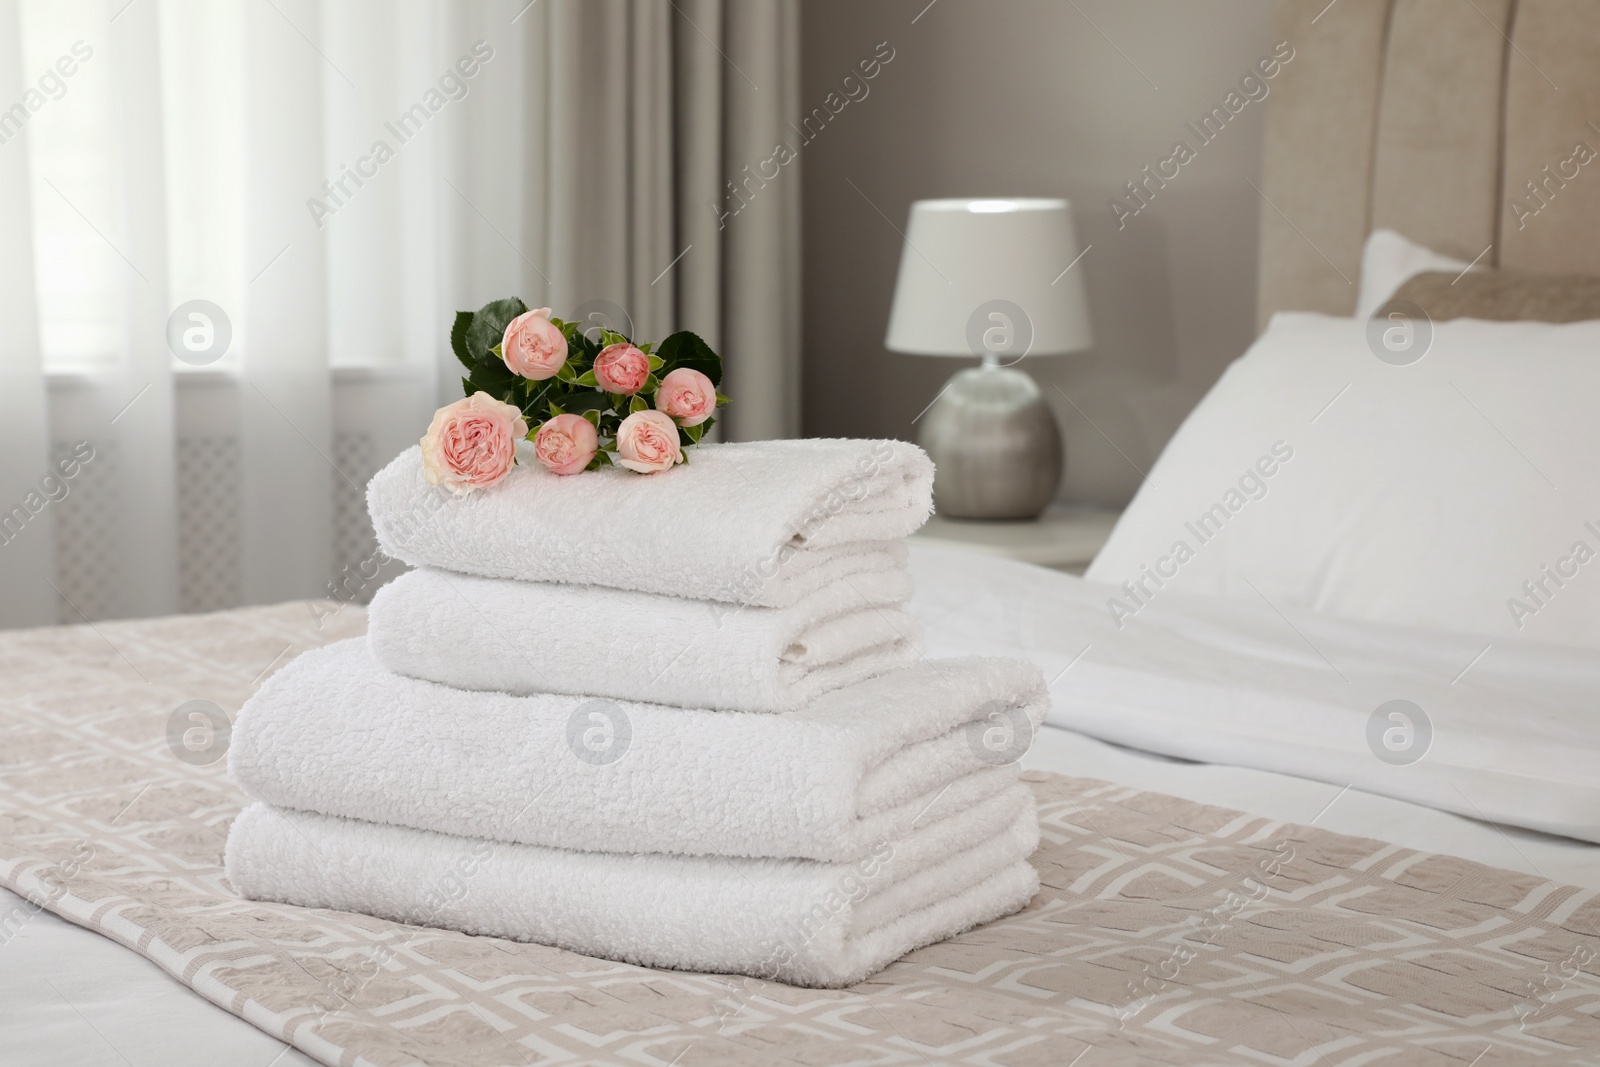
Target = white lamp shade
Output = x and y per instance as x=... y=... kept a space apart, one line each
x=991 y=276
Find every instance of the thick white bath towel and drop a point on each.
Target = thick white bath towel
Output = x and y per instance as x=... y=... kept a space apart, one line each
x=335 y=733
x=543 y=637
x=797 y=921
x=763 y=522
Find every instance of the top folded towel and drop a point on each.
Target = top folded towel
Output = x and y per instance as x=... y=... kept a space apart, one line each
x=762 y=522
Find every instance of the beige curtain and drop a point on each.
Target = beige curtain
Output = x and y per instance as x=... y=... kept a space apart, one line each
x=653 y=181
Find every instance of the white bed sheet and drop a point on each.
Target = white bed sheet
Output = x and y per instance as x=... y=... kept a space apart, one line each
x=1505 y=730
x=72 y=998
x=1301 y=800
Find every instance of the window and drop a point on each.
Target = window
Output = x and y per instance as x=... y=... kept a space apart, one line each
x=85 y=268
x=79 y=274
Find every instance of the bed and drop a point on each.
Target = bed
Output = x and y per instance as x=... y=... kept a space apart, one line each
x=1495 y=964
x=78 y=996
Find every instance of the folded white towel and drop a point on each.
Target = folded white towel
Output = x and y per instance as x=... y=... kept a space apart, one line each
x=763 y=522
x=797 y=921
x=541 y=637
x=335 y=733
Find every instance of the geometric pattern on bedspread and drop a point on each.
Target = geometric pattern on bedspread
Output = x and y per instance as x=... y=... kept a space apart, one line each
x=1166 y=932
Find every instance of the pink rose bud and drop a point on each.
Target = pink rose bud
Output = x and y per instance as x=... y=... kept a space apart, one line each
x=533 y=346
x=688 y=396
x=566 y=444
x=472 y=443
x=621 y=368
x=647 y=442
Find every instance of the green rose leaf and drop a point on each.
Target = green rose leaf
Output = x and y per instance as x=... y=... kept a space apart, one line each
x=495 y=378
x=722 y=399
x=458 y=338
x=693 y=433
x=587 y=378
x=584 y=400
x=593 y=417
x=656 y=362
x=489 y=325
x=686 y=349
x=637 y=404
x=581 y=348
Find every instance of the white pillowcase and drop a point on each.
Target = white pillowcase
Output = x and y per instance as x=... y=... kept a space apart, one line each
x=1387 y=260
x=1460 y=492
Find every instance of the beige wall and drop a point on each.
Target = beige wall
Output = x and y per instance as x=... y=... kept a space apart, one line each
x=1026 y=97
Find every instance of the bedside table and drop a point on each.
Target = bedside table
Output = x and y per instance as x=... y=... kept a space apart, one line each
x=1064 y=537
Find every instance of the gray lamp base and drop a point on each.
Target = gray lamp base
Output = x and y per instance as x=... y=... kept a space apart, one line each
x=995 y=446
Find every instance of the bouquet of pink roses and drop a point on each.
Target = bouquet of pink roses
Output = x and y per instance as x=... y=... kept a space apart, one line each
x=594 y=398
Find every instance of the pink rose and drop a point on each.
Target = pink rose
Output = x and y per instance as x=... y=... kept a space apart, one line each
x=566 y=444
x=533 y=346
x=688 y=396
x=621 y=368
x=647 y=441
x=472 y=443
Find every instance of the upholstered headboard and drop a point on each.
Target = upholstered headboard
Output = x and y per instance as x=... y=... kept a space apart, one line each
x=1464 y=124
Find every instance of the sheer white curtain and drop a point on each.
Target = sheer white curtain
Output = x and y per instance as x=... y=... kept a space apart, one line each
x=28 y=551
x=333 y=180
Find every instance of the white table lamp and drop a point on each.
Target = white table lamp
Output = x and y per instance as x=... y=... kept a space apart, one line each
x=990 y=279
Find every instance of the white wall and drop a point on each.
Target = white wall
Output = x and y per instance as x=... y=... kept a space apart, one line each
x=1027 y=97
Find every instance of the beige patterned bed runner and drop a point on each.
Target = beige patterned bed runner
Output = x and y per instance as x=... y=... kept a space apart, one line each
x=1167 y=932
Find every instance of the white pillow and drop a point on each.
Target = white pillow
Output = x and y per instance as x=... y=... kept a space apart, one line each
x=1387 y=260
x=1461 y=491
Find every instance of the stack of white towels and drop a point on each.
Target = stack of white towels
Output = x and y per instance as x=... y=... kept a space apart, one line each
x=679 y=720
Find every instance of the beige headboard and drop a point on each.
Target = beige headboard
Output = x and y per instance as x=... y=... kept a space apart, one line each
x=1430 y=117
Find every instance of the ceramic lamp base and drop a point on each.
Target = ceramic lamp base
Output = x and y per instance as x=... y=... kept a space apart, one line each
x=995 y=445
